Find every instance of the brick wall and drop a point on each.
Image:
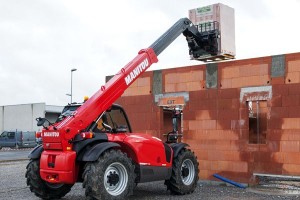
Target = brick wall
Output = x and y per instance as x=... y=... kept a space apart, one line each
x=216 y=115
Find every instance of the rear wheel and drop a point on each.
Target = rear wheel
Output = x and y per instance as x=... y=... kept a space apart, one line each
x=184 y=173
x=42 y=188
x=110 y=177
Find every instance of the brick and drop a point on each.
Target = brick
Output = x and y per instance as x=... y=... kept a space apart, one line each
x=170 y=87
x=204 y=164
x=194 y=86
x=280 y=90
x=215 y=155
x=291 y=169
x=294 y=111
x=171 y=78
x=279 y=112
x=225 y=104
x=206 y=114
x=291 y=100
x=289 y=146
x=253 y=70
x=224 y=145
x=290 y=123
x=228 y=93
x=212 y=93
x=293 y=66
x=141 y=82
x=184 y=77
x=276 y=101
x=293 y=89
x=229 y=72
x=225 y=83
x=209 y=104
x=291 y=158
x=292 y=77
x=228 y=114
x=223 y=124
x=275 y=123
x=277 y=80
x=197 y=75
x=199 y=95
x=204 y=174
x=273 y=146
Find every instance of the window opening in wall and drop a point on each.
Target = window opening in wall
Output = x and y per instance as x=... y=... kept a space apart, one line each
x=257 y=121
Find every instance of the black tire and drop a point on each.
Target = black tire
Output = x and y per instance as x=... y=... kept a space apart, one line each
x=42 y=188
x=184 y=173
x=110 y=177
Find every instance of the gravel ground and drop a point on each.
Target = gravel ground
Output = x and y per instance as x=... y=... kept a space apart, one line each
x=13 y=187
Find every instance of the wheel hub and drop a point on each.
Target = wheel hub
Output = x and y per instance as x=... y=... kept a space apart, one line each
x=113 y=178
x=185 y=171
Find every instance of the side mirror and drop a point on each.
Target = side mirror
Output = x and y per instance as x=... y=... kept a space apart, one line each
x=40 y=121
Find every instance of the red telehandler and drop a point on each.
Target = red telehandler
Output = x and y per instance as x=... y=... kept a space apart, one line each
x=95 y=145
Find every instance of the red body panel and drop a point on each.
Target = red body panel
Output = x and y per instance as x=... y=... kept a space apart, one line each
x=144 y=149
x=58 y=166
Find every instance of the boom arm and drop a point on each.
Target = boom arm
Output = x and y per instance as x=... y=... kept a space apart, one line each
x=116 y=86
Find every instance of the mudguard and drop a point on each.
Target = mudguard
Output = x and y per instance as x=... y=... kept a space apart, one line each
x=95 y=151
x=177 y=147
x=36 y=152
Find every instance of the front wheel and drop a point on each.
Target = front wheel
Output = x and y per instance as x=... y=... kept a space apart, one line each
x=42 y=188
x=184 y=173
x=110 y=177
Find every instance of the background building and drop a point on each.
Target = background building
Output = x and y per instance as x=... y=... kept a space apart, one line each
x=22 y=117
x=240 y=117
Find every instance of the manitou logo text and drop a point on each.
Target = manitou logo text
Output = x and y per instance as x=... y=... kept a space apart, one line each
x=140 y=68
x=51 y=134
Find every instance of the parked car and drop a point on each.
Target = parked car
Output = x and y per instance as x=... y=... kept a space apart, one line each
x=17 y=139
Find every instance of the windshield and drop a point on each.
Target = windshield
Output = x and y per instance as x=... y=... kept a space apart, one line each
x=67 y=111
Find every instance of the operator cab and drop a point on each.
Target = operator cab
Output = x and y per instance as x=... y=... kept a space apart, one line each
x=113 y=120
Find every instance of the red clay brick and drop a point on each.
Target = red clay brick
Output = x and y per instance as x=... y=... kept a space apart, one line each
x=292 y=77
x=225 y=104
x=290 y=123
x=228 y=114
x=279 y=112
x=275 y=123
x=289 y=146
x=294 y=111
x=225 y=83
x=276 y=101
x=293 y=66
x=291 y=169
x=291 y=100
x=281 y=90
x=198 y=95
x=223 y=124
x=194 y=86
x=277 y=80
x=170 y=88
x=206 y=114
x=229 y=72
x=291 y=158
x=228 y=93
x=215 y=155
x=294 y=89
x=273 y=146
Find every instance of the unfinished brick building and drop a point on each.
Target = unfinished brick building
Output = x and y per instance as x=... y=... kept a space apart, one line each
x=240 y=117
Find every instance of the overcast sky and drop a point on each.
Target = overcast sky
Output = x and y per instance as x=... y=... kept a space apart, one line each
x=42 y=40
